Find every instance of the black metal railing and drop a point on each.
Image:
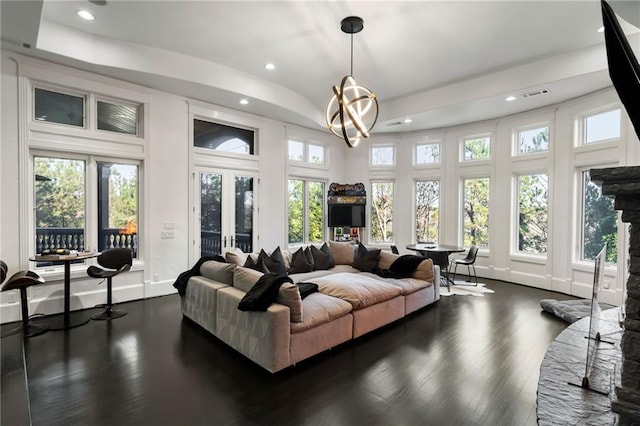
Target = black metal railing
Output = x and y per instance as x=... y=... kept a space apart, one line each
x=73 y=239
x=211 y=243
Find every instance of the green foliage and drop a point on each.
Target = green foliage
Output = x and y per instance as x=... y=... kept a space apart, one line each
x=600 y=223
x=316 y=211
x=476 y=212
x=475 y=149
x=210 y=202
x=123 y=197
x=60 y=200
x=539 y=141
x=382 y=211
x=533 y=196
x=427 y=210
x=296 y=212
x=244 y=205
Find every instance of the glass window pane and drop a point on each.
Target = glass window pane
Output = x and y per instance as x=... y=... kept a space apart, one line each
x=57 y=107
x=316 y=212
x=533 y=140
x=477 y=149
x=533 y=192
x=59 y=203
x=296 y=211
x=118 y=206
x=382 y=156
x=427 y=153
x=476 y=212
x=427 y=210
x=381 y=211
x=316 y=154
x=210 y=214
x=118 y=118
x=296 y=151
x=222 y=138
x=599 y=221
x=244 y=213
x=603 y=126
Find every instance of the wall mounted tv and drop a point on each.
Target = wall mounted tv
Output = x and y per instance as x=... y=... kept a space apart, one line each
x=352 y=215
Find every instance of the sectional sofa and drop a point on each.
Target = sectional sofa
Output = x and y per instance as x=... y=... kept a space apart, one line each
x=348 y=304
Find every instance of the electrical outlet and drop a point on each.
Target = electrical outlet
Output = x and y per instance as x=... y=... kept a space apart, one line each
x=606 y=284
x=167 y=235
x=168 y=226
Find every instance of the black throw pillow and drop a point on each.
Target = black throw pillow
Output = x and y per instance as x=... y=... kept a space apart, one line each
x=300 y=263
x=306 y=289
x=275 y=262
x=309 y=256
x=256 y=265
x=322 y=258
x=366 y=260
x=263 y=293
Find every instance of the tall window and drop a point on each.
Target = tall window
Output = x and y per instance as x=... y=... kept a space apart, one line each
x=533 y=194
x=427 y=153
x=381 y=211
x=477 y=148
x=476 y=212
x=533 y=140
x=427 y=210
x=61 y=204
x=602 y=127
x=306 y=211
x=599 y=220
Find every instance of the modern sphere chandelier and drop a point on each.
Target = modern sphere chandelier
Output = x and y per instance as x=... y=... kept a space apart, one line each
x=353 y=109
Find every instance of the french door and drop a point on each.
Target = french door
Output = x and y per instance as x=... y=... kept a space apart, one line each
x=225 y=207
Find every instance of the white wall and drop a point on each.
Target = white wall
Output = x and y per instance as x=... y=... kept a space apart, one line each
x=560 y=270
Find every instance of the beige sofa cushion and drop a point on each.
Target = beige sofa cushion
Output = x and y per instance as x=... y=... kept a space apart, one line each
x=320 y=309
x=424 y=271
x=408 y=285
x=245 y=278
x=386 y=259
x=236 y=256
x=359 y=289
x=217 y=271
x=342 y=252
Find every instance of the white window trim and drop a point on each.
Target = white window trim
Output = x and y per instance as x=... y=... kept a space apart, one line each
x=581 y=125
x=382 y=166
x=516 y=140
x=427 y=165
x=515 y=222
x=415 y=205
x=305 y=211
x=370 y=207
x=463 y=141
x=461 y=217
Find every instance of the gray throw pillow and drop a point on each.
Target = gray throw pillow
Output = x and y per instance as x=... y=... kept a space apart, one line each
x=322 y=258
x=274 y=262
x=366 y=260
x=300 y=263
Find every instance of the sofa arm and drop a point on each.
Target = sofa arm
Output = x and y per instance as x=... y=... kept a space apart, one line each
x=263 y=337
x=436 y=281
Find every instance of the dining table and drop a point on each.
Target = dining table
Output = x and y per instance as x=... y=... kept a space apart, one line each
x=439 y=253
x=67 y=319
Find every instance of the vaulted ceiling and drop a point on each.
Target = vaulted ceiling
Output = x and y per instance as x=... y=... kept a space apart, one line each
x=438 y=63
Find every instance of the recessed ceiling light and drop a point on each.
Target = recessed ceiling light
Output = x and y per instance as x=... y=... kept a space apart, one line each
x=244 y=102
x=408 y=120
x=270 y=66
x=601 y=29
x=85 y=14
x=510 y=98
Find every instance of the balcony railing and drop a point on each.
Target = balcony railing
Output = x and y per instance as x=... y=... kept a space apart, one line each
x=73 y=239
x=211 y=243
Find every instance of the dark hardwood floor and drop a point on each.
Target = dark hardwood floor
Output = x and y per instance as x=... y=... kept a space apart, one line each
x=465 y=361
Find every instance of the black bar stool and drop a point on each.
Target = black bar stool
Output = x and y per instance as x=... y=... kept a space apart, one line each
x=116 y=260
x=21 y=280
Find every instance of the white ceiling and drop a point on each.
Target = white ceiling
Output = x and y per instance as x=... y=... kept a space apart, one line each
x=440 y=63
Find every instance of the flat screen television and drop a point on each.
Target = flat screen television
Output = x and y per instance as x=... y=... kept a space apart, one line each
x=352 y=215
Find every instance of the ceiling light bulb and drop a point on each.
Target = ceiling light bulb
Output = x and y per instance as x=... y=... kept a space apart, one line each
x=85 y=14
x=244 y=102
x=270 y=66
x=601 y=29
x=408 y=120
x=510 y=98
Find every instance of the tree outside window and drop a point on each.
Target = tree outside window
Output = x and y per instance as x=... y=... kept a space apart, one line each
x=533 y=140
x=599 y=220
x=306 y=211
x=477 y=148
x=428 y=153
x=427 y=210
x=476 y=212
x=382 y=211
x=533 y=193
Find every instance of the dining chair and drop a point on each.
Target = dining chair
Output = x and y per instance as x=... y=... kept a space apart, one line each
x=115 y=261
x=21 y=281
x=469 y=260
x=440 y=258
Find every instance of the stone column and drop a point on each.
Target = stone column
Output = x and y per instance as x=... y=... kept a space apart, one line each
x=623 y=183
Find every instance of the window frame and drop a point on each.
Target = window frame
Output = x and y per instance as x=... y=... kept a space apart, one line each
x=114 y=101
x=304 y=162
x=415 y=205
x=581 y=126
x=305 y=210
x=383 y=166
x=461 y=226
x=427 y=165
x=370 y=208
x=37 y=85
x=516 y=140
x=515 y=227
x=462 y=146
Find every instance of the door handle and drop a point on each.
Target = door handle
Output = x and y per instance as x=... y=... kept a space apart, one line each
x=232 y=242
x=225 y=241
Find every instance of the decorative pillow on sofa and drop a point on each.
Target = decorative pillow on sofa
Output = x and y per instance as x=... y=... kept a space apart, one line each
x=424 y=271
x=386 y=259
x=257 y=265
x=236 y=256
x=218 y=271
x=300 y=263
x=342 y=252
x=322 y=258
x=309 y=256
x=274 y=262
x=245 y=278
x=366 y=260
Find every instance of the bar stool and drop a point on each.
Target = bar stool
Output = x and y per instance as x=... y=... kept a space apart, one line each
x=116 y=260
x=21 y=280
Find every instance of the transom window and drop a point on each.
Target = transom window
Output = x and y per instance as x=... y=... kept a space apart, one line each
x=533 y=140
x=602 y=127
x=120 y=118
x=219 y=137
x=427 y=153
x=477 y=148
x=306 y=152
x=56 y=107
x=383 y=155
